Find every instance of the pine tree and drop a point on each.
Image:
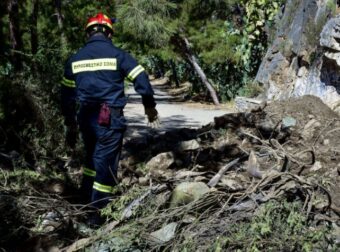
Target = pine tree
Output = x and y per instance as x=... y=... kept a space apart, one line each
x=168 y=25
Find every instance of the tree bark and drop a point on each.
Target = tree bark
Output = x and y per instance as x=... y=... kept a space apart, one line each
x=200 y=72
x=15 y=34
x=60 y=19
x=34 y=26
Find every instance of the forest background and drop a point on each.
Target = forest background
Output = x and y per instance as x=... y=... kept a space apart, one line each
x=217 y=45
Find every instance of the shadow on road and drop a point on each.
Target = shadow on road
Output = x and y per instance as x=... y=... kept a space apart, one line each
x=142 y=142
x=138 y=122
x=160 y=98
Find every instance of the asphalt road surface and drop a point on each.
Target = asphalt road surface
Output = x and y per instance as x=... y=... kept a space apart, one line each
x=173 y=113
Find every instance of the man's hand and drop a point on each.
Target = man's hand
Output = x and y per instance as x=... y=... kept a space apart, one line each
x=71 y=135
x=153 y=119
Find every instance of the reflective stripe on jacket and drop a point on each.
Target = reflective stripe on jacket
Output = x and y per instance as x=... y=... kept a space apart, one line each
x=96 y=73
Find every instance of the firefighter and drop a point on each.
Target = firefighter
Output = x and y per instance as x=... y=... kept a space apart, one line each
x=94 y=79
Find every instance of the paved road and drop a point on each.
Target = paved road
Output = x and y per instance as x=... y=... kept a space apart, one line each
x=173 y=114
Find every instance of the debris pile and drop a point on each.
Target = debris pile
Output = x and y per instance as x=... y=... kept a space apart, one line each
x=226 y=172
x=249 y=180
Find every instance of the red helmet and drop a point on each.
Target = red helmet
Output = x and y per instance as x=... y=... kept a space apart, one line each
x=99 y=19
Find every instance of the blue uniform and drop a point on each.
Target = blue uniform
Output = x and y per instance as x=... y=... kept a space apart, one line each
x=95 y=76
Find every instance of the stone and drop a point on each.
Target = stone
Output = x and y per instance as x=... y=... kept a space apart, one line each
x=230 y=183
x=159 y=165
x=160 y=162
x=253 y=167
x=244 y=104
x=187 y=192
x=144 y=181
x=326 y=142
x=163 y=235
x=56 y=188
x=51 y=221
x=189 y=145
x=288 y=122
x=266 y=126
x=316 y=166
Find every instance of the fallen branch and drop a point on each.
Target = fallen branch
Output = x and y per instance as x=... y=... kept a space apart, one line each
x=213 y=182
x=128 y=211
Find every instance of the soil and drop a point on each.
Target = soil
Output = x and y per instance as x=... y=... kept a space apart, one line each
x=308 y=152
x=317 y=129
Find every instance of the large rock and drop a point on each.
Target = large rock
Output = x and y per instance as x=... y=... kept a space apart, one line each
x=187 y=192
x=295 y=64
x=159 y=164
x=162 y=161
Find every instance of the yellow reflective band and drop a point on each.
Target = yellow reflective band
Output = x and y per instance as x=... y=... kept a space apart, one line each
x=92 y=23
x=135 y=72
x=89 y=172
x=68 y=83
x=96 y=22
x=94 y=65
x=102 y=188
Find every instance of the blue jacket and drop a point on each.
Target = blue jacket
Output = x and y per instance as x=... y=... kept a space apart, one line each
x=96 y=73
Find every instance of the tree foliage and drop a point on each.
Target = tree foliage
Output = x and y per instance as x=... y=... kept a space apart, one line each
x=228 y=37
x=146 y=20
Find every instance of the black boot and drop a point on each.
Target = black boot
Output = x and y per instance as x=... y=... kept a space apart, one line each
x=95 y=220
x=85 y=191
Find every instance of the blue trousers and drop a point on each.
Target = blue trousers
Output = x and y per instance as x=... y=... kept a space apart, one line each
x=103 y=145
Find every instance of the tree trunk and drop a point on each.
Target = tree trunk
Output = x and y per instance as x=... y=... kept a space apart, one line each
x=200 y=72
x=2 y=13
x=60 y=19
x=159 y=67
x=296 y=64
x=15 y=35
x=34 y=28
x=174 y=73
